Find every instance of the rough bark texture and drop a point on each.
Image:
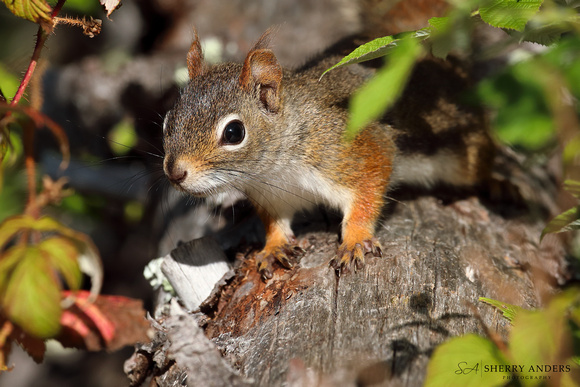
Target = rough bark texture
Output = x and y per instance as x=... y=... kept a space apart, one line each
x=378 y=325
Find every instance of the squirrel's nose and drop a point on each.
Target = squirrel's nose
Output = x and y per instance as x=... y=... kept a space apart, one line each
x=176 y=175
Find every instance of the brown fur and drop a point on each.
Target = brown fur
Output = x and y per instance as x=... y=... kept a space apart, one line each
x=295 y=154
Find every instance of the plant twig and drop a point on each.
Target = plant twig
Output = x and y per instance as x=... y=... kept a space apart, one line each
x=30 y=163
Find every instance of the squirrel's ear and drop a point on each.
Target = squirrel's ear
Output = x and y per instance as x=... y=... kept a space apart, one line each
x=262 y=72
x=195 y=57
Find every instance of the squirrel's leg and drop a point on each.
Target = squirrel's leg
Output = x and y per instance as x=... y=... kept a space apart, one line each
x=280 y=244
x=368 y=181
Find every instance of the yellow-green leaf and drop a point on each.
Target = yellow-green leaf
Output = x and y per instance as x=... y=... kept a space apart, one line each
x=538 y=337
x=468 y=361
x=567 y=221
x=123 y=137
x=32 y=297
x=34 y=10
x=8 y=261
x=573 y=187
x=12 y=225
x=509 y=311
x=63 y=255
x=371 y=100
x=88 y=258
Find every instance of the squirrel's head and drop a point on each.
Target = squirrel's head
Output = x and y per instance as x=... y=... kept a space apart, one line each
x=218 y=131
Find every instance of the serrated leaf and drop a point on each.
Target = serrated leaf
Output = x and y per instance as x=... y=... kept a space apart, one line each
x=461 y=361
x=34 y=346
x=34 y=10
x=440 y=23
x=509 y=311
x=547 y=26
x=63 y=255
x=567 y=221
x=368 y=51
x=115 y=321
x=539 y=337
x=11 y=226
x=378 y=48
x=88 y=256
x=510 y=14
x=32 y=297
x=371 y=100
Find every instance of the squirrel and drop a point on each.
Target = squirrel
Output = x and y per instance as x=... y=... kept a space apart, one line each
x=278 y=136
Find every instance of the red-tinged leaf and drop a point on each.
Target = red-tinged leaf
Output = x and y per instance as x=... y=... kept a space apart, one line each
x=32 y=297
x=63 y=255
x=93 y=312
x=34 y=10
x=110 y=5
x=78 y=331
x=110 y=323
x=10 y=333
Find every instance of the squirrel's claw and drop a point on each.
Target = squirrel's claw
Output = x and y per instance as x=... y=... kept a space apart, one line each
x=287 y=255
x=346 y=257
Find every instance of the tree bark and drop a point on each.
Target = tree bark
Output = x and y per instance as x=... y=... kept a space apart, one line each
x=379 y=325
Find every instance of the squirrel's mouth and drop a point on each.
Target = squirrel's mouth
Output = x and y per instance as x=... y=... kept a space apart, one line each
x=188 y=190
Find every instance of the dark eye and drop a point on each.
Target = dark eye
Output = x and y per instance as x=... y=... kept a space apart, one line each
x=234 y=133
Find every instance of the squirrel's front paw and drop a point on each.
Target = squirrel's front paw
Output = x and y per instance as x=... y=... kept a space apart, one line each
x=348 y=256
x=288 y=255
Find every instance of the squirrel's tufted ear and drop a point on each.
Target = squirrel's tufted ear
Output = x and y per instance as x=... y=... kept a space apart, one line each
x=195 y=57
x=263 y=73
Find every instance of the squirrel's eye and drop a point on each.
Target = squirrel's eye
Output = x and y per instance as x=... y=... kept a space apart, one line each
x=234 y=133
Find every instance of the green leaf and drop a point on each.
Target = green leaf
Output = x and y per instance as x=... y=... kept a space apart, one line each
x=571 y=151
x=88 y=256
x=63 y=255
x=8 y=262
x=567 y=221
x=548 y=25
x=510 y=14
x=573 y=186
x=523 y=117
x=538 y=337
x=8 y=82
x=368 y=51
x=32 y=297
x=509 y=311
x=466 y=361
x=123 y=137
x=378 y=48
x=450 y=33
x=371 y=100
x=34 y=10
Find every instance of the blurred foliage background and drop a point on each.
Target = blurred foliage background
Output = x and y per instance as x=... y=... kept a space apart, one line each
x=110 y=94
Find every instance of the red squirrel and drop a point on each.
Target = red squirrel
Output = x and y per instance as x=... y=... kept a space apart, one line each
x=277 y=136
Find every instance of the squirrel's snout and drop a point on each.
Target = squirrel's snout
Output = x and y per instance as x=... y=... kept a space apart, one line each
x=175 y=173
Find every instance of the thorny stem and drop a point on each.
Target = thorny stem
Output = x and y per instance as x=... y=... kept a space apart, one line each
x=41 y=36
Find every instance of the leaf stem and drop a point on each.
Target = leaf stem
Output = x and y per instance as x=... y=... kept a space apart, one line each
x=41 y=36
